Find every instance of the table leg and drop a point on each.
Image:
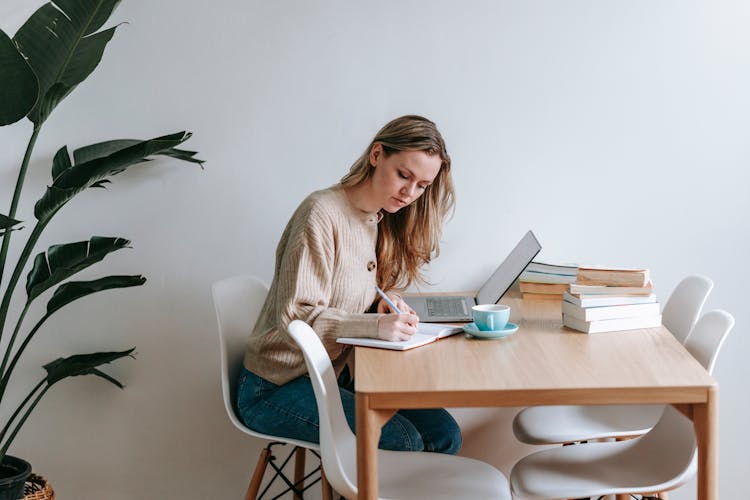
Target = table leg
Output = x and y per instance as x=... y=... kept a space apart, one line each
x=706 y=422
x=369 y=423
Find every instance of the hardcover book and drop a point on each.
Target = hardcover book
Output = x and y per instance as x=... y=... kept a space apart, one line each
x=607 y=300
x=611 y=325
x=578 y=289
x=610 y=312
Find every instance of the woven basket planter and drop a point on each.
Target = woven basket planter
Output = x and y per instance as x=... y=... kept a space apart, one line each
x=37 y=488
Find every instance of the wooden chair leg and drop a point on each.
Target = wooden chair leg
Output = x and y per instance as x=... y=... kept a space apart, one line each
x=622 y=496
x=299 y=470
x=325 y=486
x=260 y=470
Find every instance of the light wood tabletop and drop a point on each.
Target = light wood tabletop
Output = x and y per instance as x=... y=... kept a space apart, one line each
x=543 y=363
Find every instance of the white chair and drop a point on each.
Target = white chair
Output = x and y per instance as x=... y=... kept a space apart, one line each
x=401 y=474
x=683 y=308
x=238 y=301
x=570 y=424
x=661 y=460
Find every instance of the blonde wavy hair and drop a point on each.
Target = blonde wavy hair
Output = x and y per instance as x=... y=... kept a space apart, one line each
x=409 y=238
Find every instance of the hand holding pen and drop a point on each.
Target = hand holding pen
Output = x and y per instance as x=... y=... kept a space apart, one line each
x=399 y=325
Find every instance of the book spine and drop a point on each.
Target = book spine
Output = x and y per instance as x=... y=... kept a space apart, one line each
x=542 y=296
x=607 y=300
x=579 y=289
x=610 y=312
x=541 y=267
x=612 y=278
x=611 y=325
x=553 y=288
x=533 y=277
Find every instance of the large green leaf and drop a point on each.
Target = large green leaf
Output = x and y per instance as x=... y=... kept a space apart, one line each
x=106 y=148
x=19 y=88
x=100 y=161
x=73 y=290
x=101 y=149
x=63 y=47
x=61 y=162
x=63 y=261
x=6 y=223
x=83 y=364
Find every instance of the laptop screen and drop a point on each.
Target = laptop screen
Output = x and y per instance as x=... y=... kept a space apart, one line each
x=509 y=270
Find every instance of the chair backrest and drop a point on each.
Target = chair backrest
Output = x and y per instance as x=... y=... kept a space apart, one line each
x=238 y=301
x=684 y=305
x=707 y=337
x=338 y=446
x=671 y=444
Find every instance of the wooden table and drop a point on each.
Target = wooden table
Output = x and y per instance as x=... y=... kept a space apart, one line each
x=542 y=364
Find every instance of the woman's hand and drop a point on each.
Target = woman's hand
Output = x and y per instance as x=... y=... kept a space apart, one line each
x=395 y=327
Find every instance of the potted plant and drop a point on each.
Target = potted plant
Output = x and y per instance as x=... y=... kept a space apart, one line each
x=56 y=49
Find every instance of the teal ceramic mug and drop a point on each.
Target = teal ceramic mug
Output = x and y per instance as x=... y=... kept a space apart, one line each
x=490 y=317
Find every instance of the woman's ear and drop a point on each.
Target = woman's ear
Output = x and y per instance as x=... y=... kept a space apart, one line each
x=376 y=152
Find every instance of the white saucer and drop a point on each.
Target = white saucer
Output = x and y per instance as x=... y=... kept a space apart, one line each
x=472 y=330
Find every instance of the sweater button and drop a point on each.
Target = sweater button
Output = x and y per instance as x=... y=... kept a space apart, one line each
x=371 y=266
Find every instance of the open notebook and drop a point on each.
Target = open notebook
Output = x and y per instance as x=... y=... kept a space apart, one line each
x=426 y=333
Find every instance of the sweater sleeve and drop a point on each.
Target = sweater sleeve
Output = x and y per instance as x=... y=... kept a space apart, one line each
x=306 y=281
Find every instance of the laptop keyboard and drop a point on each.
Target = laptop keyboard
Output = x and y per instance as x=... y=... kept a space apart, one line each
x=446 y=307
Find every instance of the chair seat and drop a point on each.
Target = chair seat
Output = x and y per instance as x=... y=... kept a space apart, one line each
x=642 y=465
x=435 y=476
x=570 y=424
x=268 y=437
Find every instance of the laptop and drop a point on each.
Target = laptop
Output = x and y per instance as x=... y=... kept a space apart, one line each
x=458 y=308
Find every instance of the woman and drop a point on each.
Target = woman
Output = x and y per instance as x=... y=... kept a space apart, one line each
x=378 y=226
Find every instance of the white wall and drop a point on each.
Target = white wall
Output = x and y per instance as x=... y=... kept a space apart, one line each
x=618 y=131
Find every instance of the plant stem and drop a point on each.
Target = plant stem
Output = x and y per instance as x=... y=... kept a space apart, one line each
x=33 y=238
x=18 y=410
x=13 y=340
x=6 y=375
x=10 y=439
x=12 y=214
x=16 y=199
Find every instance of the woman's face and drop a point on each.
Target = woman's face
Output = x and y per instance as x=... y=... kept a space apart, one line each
x=402 y=177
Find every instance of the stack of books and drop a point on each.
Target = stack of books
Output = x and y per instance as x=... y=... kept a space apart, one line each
x=546 y=281
x=610 y=299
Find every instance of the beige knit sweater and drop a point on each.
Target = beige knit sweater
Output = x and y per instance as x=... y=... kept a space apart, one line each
x=325 y=276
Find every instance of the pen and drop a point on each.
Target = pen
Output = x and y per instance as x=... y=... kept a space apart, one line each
x=387 y=300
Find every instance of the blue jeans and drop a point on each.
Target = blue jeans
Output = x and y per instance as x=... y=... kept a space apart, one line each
x=290 y=410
